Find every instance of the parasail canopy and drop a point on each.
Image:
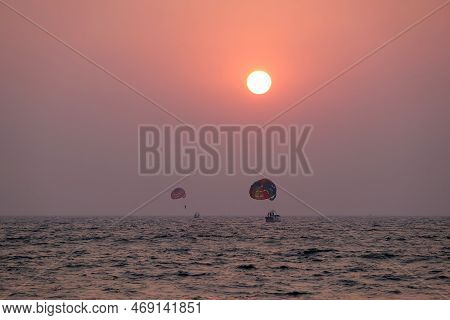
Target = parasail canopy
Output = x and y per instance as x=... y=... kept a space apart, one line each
x=263 y=189
x=178 y=193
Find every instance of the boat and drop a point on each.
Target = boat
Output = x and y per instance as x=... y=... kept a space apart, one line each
x=272 y=216
x=196 y=215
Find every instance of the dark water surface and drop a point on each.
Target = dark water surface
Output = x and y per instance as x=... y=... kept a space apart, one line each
x=224 y=258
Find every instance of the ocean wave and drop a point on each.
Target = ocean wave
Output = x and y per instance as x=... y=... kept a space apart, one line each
x=378 y=255
x=192 y=274
x=246 y=266
x=225 y=258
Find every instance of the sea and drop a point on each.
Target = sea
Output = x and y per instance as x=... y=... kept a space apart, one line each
x=224 y=258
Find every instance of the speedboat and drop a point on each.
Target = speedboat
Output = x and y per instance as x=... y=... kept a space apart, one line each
x=272 y=216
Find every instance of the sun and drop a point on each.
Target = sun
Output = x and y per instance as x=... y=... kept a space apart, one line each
x=259 y=82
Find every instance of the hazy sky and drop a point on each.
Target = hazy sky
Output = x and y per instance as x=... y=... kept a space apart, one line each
x=68 y=135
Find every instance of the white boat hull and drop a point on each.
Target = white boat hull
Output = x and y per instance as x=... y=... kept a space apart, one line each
x=273 y=219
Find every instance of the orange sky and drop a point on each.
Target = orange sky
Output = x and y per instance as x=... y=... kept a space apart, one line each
x=68 y=131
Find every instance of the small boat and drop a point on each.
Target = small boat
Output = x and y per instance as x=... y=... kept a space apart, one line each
x=272 y=216
x=196 y=215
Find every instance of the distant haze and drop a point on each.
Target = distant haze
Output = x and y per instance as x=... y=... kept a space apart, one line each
x=68 y=131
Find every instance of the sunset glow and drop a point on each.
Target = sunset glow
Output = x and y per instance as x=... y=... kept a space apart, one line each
x=161 y=155
x=259 y=82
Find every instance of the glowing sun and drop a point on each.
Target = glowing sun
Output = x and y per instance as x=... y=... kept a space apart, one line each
x=259 y=82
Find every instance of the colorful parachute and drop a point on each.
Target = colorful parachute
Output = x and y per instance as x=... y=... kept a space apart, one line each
x=178 y=193
x=263 y=189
